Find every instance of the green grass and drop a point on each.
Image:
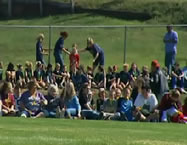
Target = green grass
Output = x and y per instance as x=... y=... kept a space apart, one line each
x=162 y=11
x=17 y=45
x=19 y=131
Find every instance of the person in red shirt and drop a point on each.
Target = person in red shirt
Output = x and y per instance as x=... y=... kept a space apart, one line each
x=74 y=59
x=170 y=105
x=8 y=101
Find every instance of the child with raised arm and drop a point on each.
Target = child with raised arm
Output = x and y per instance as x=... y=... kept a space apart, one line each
x=74 y=59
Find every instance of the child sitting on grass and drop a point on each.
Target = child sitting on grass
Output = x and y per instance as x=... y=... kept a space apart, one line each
x=28 y=71
x=170 y=106
x=8 y=101
x=20 y=75
x=39 y=76
x=11 y=74
x=125 y=105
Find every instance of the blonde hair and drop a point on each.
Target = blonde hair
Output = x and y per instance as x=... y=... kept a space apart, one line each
x=40 y=36
x=74 y=45
x=90 y=40
x=126 y=65
x=52 y=88
x=69 y=87
x=28 y=64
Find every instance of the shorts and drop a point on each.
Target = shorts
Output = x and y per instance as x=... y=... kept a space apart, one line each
x=100 y=60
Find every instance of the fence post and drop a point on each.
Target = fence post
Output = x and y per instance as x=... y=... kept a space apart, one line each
x=72 y=6
x=125 y=44
x=50 y=44
x=41 y=7
x=10 y=8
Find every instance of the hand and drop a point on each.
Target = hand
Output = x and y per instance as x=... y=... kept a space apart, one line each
x=12 y=110
x=44 y=102
x=79 y=115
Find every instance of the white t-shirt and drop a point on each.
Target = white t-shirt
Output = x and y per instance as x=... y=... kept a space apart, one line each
x=152 y=101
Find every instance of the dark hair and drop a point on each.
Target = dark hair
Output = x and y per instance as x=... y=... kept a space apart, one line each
x=110 y=68
x=32 y=84
x=10 y=67
x=49 y=66
x=64 y=34
x=146 y=87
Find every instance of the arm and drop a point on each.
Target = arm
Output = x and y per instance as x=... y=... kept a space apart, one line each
x=175 y=37
x=5 y=107
x=88 y=106
x=82 y=50
x=97 y=55
x=66 y=51
x=182 y=75
x=78 y=107
x=174 y=74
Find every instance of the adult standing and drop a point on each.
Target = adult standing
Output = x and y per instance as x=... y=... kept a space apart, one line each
x=97 y=53
x=59 y=47
x=170 y=40
x=39 y=49
x=158 y=81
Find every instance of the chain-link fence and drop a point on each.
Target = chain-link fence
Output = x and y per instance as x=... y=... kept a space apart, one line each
x=139 y=44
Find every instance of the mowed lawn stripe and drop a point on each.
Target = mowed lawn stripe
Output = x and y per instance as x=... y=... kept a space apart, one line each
x=19 y=131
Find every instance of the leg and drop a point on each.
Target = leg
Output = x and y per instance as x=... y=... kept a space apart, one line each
x=173 y=82
x=70 y=112
x=59 y=59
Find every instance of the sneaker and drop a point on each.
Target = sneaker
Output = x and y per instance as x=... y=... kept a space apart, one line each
x=101 y=115
x=62 y=112
x=23 y=116
x=183 y=91
x=164 y=117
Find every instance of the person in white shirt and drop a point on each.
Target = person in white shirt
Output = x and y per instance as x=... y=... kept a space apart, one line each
x=145 y=104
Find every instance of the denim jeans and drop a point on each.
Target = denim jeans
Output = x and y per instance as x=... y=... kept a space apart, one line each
x=59 y=59
x=71 y=112
x=170 y=60
x=90 y=114
x=175 y=82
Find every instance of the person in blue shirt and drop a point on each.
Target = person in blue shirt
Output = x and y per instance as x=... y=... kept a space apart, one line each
x=39 y=49
x=170 y=40
x=96 y=51
x=59 y=47
x=70 y=100
x=31 y=102
x=125 y=106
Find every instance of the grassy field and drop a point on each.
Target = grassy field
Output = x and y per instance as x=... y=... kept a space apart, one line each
x=143 y=44
x=19 y=131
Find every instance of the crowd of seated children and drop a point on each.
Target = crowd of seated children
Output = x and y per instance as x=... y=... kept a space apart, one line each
x=128 y=95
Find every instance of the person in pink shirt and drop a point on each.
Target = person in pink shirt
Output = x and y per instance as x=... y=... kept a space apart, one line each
x=8 y=101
